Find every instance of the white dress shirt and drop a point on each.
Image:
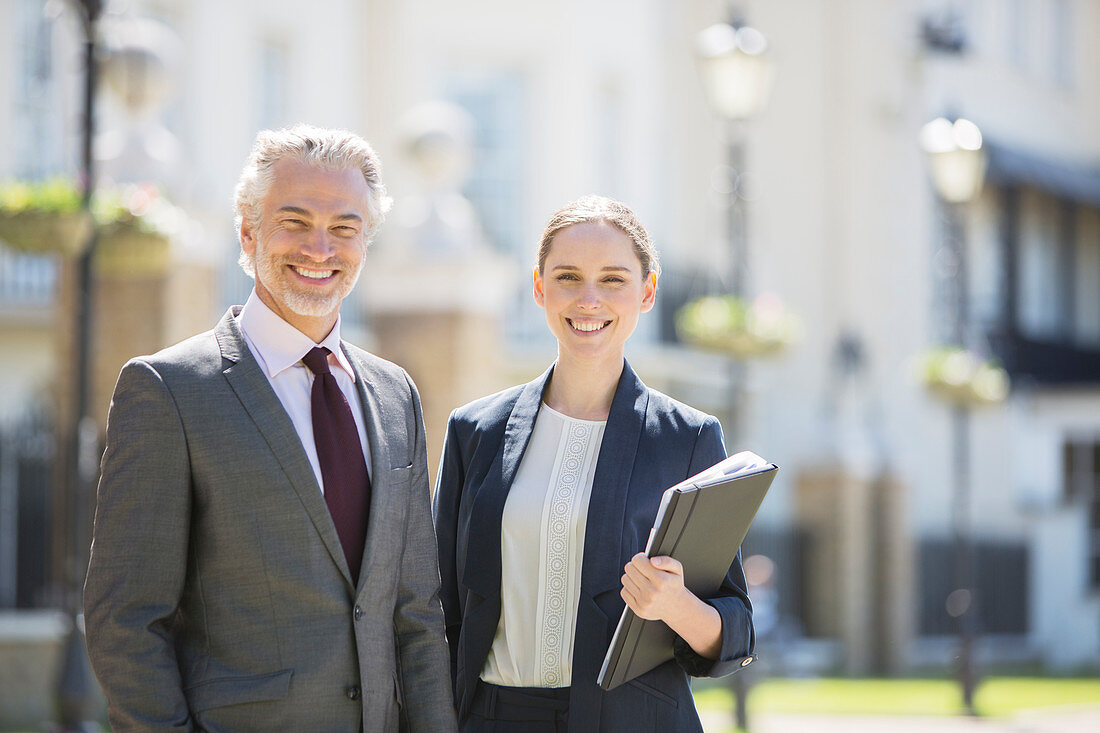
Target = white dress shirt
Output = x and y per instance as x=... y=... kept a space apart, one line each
x=541 y=548
x=279 y=348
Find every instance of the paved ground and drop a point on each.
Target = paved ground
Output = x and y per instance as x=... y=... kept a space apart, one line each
x=1062 y=720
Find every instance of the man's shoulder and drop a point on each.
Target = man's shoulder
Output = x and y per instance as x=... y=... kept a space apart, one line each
x=196 y=355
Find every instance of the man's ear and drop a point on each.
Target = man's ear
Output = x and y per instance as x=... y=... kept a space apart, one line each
x=540 y=296
x=248 y=234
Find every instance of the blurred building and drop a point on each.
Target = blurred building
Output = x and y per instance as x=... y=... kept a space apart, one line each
x=843 y=225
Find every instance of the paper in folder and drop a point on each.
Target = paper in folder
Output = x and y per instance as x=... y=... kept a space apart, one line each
x=701 y=522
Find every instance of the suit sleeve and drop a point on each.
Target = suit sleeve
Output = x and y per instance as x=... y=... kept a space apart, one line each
x=732 y=599
x=417 y=616
x=139 y=555
x=448 y=492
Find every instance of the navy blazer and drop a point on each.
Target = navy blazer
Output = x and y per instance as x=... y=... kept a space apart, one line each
x=650 y=443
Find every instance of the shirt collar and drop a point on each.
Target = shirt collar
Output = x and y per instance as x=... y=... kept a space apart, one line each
x=279 y=344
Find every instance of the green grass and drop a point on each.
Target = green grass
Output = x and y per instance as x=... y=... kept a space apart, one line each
x=996 y=697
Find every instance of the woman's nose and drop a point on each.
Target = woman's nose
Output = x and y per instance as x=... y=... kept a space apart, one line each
x=589 y=297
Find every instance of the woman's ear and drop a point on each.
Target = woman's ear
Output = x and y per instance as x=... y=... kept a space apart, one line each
x=649 y=292
x=537 y=286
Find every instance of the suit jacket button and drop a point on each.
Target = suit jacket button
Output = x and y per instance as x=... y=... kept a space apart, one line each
x=358 y=612
x=352 y=692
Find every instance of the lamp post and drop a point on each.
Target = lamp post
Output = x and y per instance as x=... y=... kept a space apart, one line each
x=75 y=693
x=736 y=72
x=957 y=164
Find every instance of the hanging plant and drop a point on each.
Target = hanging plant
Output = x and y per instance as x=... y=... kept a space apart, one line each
x=961 y=377
x=43 y=217
x=734 y=326
x=136 y=228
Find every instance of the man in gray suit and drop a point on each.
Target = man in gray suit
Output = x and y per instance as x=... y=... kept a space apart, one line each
x=263 y=556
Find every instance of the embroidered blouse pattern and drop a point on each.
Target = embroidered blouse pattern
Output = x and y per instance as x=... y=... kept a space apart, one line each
x=559 y=522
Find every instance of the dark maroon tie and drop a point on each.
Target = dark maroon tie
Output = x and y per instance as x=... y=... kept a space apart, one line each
x=340 y=453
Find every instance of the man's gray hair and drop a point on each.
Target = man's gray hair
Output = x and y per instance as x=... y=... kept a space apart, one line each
x=331 y=150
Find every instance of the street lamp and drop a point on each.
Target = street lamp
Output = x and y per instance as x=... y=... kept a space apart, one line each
x=957 y=164
x=736 y=72
x=735 y=68
x=75 y=697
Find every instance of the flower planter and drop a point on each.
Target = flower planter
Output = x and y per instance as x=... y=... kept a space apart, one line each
x=959 y=377
x=732 y=326
x=44 y=233
x=123 y=251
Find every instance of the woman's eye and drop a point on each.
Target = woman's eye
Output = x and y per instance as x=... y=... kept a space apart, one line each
x=566 y=276
x=614 y=280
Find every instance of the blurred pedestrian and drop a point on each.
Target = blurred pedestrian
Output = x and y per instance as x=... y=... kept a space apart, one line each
x=263 y=555
x=544 y=501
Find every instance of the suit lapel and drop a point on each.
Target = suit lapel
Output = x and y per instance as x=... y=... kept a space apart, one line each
x=483 y=550
x=600 y=570
x=259 y=400
x=381 y=422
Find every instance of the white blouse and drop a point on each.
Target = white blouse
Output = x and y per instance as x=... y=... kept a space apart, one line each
x=541 y=546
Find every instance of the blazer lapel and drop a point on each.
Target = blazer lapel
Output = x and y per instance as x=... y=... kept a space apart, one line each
x=382 y=423
x=259 y=400
x=600 y=569
x=483 y=550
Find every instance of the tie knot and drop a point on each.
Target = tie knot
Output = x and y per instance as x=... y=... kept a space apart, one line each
x=317 y=360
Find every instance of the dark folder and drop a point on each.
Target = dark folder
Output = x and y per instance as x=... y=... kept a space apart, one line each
x=702 y=523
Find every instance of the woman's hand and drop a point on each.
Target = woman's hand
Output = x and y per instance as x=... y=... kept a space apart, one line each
x=654 y=589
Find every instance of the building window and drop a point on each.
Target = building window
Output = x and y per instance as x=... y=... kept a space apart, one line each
x=272 y=74
x=1060 y=47
x=1086 y=289
x=39 y=129
x=495 y=185
x=1081 y=476
x=497 y=100
x=1016 y=32
x=1000 y=586
x=1043 y=268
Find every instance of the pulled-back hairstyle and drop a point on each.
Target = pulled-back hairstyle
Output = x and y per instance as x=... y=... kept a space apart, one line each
x=330 y=150
x=598 y=209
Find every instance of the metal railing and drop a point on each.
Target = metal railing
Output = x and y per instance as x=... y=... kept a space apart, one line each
x=27 y=448
x=26 y=281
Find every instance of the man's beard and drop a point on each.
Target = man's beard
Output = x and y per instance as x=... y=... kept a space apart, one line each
x=273 y=273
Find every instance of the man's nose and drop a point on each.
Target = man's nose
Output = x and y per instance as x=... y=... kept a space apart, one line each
x=318 y=245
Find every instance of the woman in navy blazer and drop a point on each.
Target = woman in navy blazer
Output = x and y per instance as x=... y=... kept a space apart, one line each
x=597 y=272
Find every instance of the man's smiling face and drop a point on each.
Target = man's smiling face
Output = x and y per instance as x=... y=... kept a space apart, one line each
x=309 y=243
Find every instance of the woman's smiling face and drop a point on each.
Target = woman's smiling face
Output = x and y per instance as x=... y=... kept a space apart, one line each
x=593 y=291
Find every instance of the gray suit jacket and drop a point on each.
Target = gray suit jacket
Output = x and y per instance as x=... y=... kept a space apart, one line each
x=218 y=597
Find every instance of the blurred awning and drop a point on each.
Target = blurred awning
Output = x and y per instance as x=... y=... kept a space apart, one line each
x=1013 y=166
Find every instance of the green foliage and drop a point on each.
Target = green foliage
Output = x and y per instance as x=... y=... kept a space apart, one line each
x=51 y=196
x=736 y=326
x=960 y=376
x=996 y=697
x=140 y=208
